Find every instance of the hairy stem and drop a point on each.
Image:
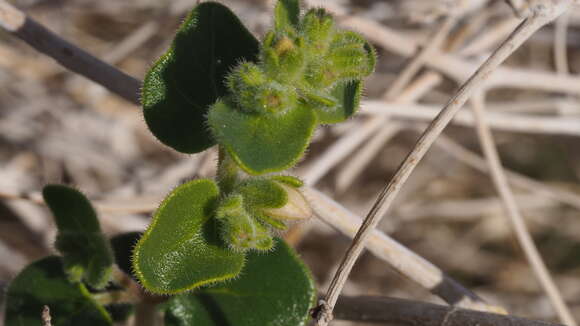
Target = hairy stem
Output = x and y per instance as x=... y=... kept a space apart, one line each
x=227 y=172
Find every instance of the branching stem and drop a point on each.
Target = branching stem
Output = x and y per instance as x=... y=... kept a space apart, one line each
x=542 y=13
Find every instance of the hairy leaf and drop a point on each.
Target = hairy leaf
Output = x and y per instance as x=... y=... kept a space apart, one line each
x=186 y=80
x=263 y=143
x=45 y=283
x=275 y=289
x=86 y=252
x=182 y=248
x=286 y=14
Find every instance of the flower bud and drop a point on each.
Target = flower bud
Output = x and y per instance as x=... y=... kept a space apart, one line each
x=296 y=208
x=318 y=28
x=239 y=229
x=350 y=51
x=283 y=58
x=254 y=92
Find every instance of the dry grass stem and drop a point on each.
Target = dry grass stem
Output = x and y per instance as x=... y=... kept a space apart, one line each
x=513 y=212
x=542 y=14
x=403 y=260
x=80 y=134
x=550 y=125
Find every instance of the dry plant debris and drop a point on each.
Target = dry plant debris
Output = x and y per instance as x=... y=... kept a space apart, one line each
x=58 y=127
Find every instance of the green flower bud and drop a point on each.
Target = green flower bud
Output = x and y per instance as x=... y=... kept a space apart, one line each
x=245 y=76
x=318 y=28
x=254 y=93
x=239 y=229
x=349 y=62
x=283 y=59
x=320 y=74
x=349 y=49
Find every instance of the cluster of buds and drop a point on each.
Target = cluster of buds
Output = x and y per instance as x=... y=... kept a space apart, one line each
x=301 y=64
x=257 y=208
x=309 y=72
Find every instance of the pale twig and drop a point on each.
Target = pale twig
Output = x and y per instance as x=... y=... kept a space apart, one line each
x=561 y=44
x=460 y=69
x=403 y=260
x=469 y=209
x=543 y=13
x=513 y=212
x=493 y=36
x=107 y=209
x=545 y=106
x=478 y=21
x=475 y=161
x=359 y=161
x=417 y=61
x=45 y=316
x=395 y=311
x=125 y=206
x=512 y=122
x=68 y=55
x=519 y=7
x=120 y=51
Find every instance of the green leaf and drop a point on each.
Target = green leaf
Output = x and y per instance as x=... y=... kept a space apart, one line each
x=275 y=289
x=348 y=95
x=263 y=143
x=45 y=283
x=286 y=14
x=86 y=252
x=186 y=80
x=182 y=249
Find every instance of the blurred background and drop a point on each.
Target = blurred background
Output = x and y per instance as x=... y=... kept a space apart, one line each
x=56 y=127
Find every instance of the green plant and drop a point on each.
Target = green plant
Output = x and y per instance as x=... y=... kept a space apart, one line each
x=211 y=243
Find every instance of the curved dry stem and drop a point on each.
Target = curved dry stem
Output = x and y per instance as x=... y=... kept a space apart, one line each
x=543 y=13
x=513 y=212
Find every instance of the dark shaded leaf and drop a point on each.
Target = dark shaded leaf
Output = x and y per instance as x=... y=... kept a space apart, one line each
x=45 y=283
x=186 y=80
x=86 y=252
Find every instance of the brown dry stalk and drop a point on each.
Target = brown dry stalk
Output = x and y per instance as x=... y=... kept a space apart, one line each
x=542 y=13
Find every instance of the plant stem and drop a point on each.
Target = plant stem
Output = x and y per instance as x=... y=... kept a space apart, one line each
x=227 y=172
x=514 y=214
x=146 y=314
